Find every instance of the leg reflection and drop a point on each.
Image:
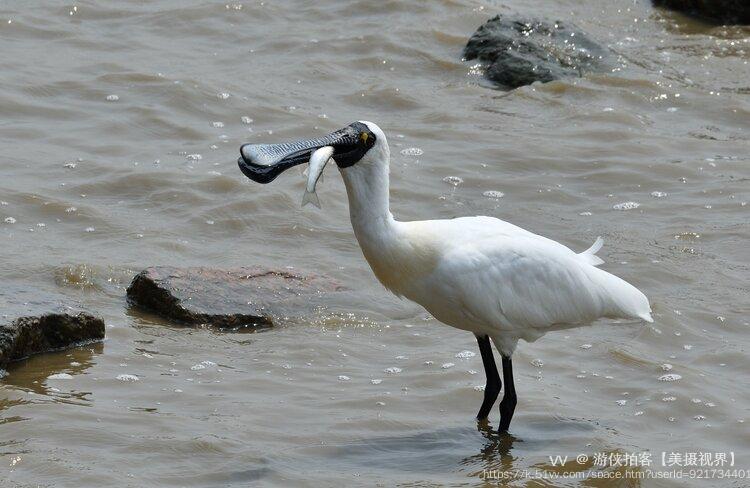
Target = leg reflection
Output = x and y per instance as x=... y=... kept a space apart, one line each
x=495 y=455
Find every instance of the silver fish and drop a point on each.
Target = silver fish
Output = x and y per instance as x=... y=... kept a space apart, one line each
x=318 y=160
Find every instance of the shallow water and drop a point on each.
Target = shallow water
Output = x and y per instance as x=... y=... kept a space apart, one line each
x=120 y=124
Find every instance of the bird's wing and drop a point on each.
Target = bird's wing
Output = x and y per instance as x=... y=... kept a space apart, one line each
x=518 y=280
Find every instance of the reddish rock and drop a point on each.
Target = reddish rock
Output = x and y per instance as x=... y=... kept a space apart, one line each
x=233 y=299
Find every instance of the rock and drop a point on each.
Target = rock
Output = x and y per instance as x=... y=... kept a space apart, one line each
x=25 y=336
x=35 y=321
x=518 y=52
x=714 y=11
x=234 y=299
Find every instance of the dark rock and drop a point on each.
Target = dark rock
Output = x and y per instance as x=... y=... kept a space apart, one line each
x=714 y=11
x=35 y=321
x=234 y=299
x=518 y=52
x=25 y=336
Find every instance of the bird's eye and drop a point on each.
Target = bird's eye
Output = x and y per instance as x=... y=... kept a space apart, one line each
x=363 y=137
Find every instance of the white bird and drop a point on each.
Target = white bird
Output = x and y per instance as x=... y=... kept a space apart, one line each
x=478 y=274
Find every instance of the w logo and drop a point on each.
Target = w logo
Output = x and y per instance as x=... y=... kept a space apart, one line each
x=558 y=460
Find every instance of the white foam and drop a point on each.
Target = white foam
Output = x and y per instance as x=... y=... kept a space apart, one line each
x=453 y=180
x=60 y=376
x=203 y=365
x=412 y=151
x=670 y=377
x=626 y=206
x=493 y=194
x=127 y=377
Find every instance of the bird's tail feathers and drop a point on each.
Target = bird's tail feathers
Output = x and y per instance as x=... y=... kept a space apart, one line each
x=589 y=255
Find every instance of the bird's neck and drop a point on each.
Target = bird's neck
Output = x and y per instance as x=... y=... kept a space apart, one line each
x=368 y=192
x=374 y=226
x=396 y=255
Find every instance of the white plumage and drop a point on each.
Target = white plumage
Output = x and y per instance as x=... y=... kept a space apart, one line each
x=481 y=274
x=478 y=274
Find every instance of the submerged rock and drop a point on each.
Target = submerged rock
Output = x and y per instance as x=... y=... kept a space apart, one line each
x=715 y=11
x=35 y=321
x=25 y=336
x=234 y=299
x=518 y=52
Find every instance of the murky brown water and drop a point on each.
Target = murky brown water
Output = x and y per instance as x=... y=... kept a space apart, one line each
x=120 y=124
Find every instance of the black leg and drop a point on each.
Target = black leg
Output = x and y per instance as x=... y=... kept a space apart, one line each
x=492 y=389
x=508 y=404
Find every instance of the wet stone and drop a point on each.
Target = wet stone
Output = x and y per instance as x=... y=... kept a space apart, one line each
x=238 y=299
x=35 y=322
x=518 y=52
x=713 y=11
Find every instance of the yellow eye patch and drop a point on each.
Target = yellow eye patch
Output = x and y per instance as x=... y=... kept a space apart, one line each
x=363 y=136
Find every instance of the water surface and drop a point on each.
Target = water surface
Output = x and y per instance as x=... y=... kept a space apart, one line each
x=120 y=124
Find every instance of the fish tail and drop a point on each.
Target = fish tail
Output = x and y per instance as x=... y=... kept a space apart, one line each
x=310 y=197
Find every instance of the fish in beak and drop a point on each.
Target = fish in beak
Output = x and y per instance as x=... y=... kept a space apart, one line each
x=262 y=163
x=318 y=162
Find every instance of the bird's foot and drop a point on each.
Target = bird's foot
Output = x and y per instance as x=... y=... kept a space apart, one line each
x=507 y=407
